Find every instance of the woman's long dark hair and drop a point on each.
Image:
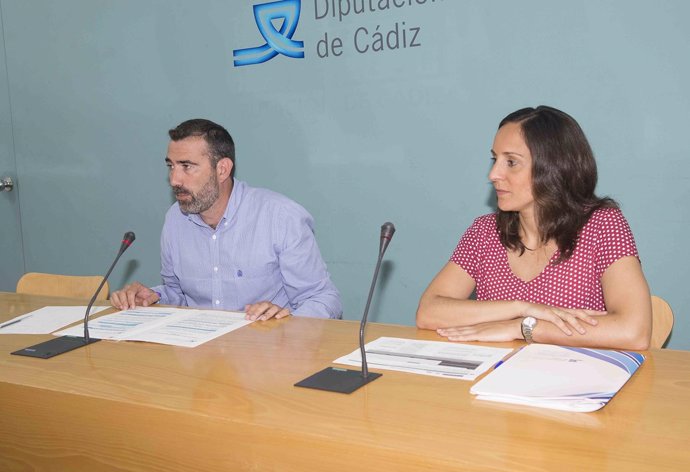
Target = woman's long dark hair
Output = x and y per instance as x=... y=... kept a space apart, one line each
x=564 y=176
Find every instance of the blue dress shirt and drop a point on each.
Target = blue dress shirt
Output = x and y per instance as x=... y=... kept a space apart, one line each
x=263 y=249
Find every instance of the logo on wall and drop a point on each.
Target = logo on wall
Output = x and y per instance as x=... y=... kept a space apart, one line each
x=278 y=41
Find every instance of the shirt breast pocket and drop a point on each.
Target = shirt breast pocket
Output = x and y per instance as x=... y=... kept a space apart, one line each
x=257 y=283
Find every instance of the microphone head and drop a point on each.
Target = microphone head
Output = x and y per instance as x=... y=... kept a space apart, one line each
x=127 y=240
x=387 y=230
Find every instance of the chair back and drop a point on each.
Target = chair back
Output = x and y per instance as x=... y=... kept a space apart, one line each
x=662 y=322
x=71 y=286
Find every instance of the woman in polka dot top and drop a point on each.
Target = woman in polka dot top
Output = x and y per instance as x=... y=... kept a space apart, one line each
x=555 y=264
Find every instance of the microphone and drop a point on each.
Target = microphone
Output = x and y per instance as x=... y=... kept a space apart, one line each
x=64 y=344
x=127 y=241
x=346 y=380
x=387 y=231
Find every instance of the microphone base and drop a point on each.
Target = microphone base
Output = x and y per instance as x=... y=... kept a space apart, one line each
x=54 y=347
x=333 y=379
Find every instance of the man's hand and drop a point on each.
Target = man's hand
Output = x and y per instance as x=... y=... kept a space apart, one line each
x=263 y=311
x=132 y=295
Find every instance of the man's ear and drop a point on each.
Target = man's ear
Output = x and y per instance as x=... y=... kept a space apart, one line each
x=224 y=169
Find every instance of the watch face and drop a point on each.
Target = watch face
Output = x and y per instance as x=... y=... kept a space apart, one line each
x=528 y=325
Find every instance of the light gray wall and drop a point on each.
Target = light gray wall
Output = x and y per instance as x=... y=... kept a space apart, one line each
x=400 y=135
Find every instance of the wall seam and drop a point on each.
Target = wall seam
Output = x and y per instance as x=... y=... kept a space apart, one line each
x=14 y=149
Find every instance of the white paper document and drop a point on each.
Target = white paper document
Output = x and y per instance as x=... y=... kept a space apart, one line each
x=437 y=358
x=46 y=320
x=559 y=377
x=176 y=326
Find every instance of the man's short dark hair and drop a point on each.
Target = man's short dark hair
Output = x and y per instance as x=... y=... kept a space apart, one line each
x=219 y=141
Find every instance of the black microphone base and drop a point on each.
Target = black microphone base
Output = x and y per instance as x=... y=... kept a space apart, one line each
x=333 y=379
x=55 y=347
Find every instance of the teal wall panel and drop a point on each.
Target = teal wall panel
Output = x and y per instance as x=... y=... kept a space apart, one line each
x=360 y=138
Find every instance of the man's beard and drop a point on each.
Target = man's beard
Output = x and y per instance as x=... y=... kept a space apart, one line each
x=202 y=200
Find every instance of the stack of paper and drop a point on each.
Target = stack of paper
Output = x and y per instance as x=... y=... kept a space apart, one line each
x=157 y=324
x=437 y=358
x=562 y=378
x=47 y=319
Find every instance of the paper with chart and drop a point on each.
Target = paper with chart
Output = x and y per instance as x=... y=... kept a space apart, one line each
x=46 y=320
x=559 y=377
x=437 y=358
x=176 y=326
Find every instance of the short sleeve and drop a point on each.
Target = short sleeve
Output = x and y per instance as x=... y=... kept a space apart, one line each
x=615 y=238
x=466 y=253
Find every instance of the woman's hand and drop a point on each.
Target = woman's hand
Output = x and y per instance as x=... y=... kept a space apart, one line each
x=565 y=319
x=493 y=331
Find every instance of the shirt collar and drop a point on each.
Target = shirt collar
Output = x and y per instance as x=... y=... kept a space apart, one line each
x=236 y=196
x=238 y=189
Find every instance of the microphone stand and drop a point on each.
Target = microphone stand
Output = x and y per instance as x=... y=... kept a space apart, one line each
x=87 y=340
x=63 y=344
x=385 y=240
x=339 y=380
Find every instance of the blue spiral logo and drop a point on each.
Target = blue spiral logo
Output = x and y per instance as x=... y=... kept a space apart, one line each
x=278 y=41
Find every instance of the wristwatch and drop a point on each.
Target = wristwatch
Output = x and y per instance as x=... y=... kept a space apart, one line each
x=527 y=326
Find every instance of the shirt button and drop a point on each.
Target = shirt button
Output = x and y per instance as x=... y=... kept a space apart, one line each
x=214 y=236
x=215 y=269
x=217 y=302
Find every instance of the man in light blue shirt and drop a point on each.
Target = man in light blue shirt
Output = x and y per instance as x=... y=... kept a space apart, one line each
x=230 y=246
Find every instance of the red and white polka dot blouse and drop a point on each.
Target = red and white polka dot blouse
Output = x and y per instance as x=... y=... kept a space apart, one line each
x=574 y=283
